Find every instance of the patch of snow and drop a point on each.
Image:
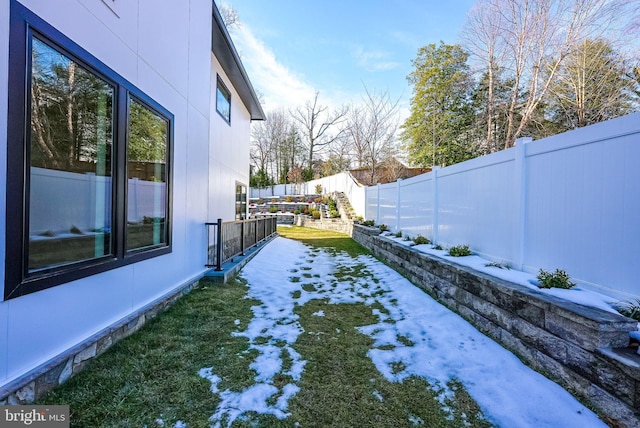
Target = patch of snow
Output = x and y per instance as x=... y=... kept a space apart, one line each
x=442 y=347
x=415 y=420
x=207 y=373
x=318 y=314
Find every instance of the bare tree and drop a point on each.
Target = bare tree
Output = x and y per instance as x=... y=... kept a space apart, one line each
x=262 y=149
x=532 y=38
x=271 y=150
x=229 y=16
x=372 y=129
x=482 y=37
x=592 y=86
x=319 y=126
x=354 y=137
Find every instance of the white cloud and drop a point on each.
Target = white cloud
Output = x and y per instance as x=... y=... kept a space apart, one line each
x=374 y=60
x=279 y=86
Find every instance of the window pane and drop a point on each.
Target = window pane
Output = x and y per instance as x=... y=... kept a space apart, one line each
x=241 y=201
x=147 y=181
x=70 y=189
x=223 y=102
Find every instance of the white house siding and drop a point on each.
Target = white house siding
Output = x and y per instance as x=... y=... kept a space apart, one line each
x=165 y=50
x=229 y=155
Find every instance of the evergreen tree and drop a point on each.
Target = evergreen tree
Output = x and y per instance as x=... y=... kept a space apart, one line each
x=437 y=131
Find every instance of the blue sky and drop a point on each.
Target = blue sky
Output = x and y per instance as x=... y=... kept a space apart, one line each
x=291 y=48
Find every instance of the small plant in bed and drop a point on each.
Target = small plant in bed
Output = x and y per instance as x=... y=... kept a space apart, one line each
x=420 y=240
x=557 y=279
x=459 y=251
x=629 y=309
x=383 y=227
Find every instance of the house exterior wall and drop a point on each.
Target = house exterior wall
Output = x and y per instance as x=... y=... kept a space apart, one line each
x=165 y=52
x=229 y=155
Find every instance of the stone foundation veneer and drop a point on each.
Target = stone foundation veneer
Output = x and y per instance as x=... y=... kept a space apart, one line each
x=56 y=371
x=583 y=349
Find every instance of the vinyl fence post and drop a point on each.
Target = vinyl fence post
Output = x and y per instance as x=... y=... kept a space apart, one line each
x=378 y=207
x=435 y=207
x=520 y=178
x=398 y=204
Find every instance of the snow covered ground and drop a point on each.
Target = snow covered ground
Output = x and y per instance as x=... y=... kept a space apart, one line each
x=413 y=332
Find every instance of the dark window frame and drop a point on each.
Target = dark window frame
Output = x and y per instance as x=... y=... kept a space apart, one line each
x=220 y=85
x=24 y=25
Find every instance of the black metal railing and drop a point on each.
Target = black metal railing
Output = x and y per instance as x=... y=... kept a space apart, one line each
x=226 y=240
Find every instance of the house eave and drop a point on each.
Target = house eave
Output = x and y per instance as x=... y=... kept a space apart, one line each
x=224 y=50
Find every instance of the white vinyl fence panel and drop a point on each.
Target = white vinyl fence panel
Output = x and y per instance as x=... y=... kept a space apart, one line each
x=342 y=182
x=571 y=201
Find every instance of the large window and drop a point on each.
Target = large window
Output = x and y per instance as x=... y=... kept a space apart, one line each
x=88 y=174
x=223 y=101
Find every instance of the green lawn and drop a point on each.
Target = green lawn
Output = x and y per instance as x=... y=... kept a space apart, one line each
x=152 y=376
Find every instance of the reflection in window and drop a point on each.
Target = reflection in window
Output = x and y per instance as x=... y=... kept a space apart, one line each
x=147 y=182
x=223 y=101
x=241 y=201
x=70 y=147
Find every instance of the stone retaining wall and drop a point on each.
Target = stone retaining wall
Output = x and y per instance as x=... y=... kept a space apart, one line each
x=334 y=224
x=583 y=349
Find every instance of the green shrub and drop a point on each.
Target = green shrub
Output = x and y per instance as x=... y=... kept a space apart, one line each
x=358 y=218
x=437 y=247
x=557 y=279
x=334 y=213
x=368 y=223
x=419 y=240
x=288 y=198
x=260 y=201
x=318 y=189
x=74 y=229
x=459 y=251
x=273 y=209
x=315 y=214
x=629 y=309
x=383 y=227
x=296 y=212
x=398 y=234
